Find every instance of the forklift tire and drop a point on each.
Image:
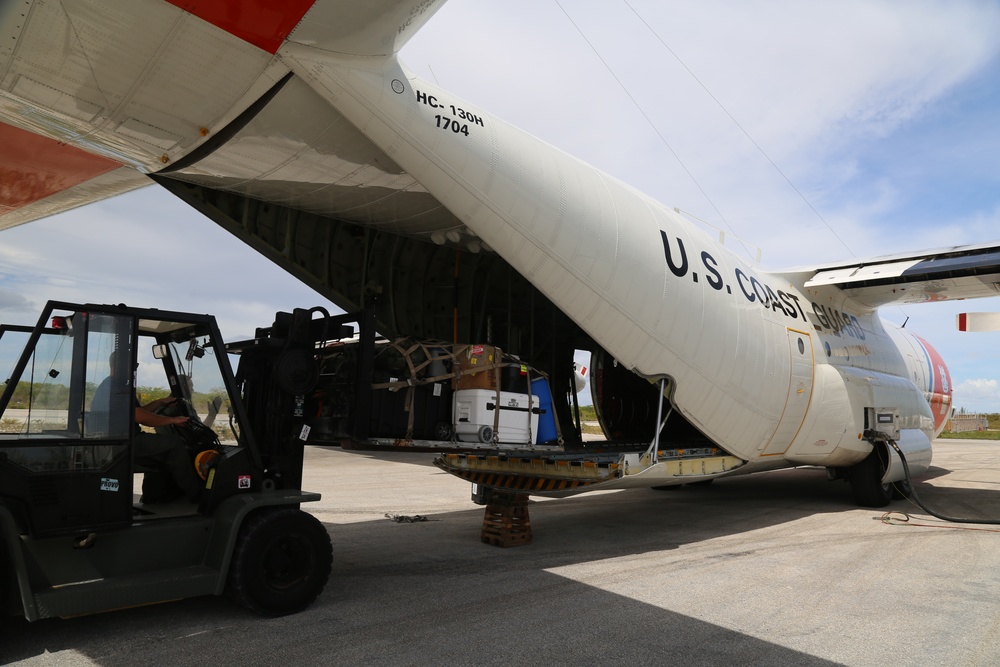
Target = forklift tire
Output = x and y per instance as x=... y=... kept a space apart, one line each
x=281 y=562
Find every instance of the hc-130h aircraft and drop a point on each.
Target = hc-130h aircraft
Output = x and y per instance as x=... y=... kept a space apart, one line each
x=308 y=139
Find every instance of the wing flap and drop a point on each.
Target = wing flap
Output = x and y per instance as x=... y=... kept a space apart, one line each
x=962 y=272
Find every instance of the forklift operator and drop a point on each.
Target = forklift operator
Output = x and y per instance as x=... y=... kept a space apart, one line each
x=162 y=451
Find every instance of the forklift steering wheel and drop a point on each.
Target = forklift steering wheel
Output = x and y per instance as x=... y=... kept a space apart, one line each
x=196 y=435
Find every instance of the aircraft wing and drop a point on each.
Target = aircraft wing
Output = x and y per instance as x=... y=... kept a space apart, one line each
x=40 y=177
x=91 y=107
x=960 y=272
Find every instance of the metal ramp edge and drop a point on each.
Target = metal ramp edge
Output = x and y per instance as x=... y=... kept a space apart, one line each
x=570 y=475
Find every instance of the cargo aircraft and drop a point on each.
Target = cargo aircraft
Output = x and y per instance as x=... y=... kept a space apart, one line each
x=295 y=127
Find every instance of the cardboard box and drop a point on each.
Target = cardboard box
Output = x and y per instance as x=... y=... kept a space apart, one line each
x=477 y=368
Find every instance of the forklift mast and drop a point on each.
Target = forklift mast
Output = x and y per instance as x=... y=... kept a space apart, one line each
x=276 y=374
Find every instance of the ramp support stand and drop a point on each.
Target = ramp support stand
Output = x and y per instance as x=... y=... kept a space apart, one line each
x=506 y=522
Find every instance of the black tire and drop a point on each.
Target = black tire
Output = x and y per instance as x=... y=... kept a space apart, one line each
x=866 y=480
x=442 y=431
x=281 y=562
x=901 y=490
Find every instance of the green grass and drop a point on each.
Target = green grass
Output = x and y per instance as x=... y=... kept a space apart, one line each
x=971 y=435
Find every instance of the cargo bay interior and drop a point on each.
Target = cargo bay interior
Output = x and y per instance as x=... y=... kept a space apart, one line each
x=424 y=289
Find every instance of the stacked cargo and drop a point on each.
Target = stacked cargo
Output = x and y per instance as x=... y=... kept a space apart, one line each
x=492 y=402
x=433 y=394
x=472 y=393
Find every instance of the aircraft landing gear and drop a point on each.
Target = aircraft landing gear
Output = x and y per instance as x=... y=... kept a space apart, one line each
x=866 y=479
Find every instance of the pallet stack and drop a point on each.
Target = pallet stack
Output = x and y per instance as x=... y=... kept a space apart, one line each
x=506 y=522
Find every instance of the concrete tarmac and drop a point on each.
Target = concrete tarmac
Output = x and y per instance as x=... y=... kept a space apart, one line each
x=778 y=568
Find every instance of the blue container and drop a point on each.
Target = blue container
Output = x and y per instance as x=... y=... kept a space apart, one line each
x=547 y=419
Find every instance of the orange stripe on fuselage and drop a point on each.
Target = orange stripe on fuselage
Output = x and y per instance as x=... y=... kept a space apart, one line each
x=33 y=167
x=263 y=23
x=940 y=389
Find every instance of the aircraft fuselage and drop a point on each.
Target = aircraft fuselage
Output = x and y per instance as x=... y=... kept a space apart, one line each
x=770 y=370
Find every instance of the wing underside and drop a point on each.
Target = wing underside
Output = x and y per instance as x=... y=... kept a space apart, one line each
x=40 y=177
x=961 y=272
x=91 y=106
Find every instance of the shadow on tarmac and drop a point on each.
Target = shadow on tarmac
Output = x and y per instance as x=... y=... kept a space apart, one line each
x=432 y=593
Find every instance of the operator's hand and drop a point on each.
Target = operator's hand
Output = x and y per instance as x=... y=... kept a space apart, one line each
x=179 y=421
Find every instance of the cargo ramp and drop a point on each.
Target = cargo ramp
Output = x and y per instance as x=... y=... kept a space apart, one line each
x=562 y=475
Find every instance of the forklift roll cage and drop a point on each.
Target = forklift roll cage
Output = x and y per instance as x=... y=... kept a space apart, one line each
x=72 y=538
x=57 y=455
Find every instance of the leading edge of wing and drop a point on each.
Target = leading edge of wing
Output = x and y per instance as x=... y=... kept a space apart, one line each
x=959 y=272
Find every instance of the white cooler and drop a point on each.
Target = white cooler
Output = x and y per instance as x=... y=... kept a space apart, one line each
x=474 y=411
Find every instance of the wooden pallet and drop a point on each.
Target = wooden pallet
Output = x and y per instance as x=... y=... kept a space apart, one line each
x=506 y=522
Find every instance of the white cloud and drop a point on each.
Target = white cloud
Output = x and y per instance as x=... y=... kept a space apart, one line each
x=978 y=395
x=12 y=301
x=822 y=87
x=145 y=249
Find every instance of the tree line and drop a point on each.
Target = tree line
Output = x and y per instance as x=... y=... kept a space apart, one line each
x=55 y=396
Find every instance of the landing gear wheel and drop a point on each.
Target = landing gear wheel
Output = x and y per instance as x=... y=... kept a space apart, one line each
x=281 y=562
x=866 y=480
x=901 y=489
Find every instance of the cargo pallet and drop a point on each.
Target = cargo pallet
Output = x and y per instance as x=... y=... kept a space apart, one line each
x=506 y=522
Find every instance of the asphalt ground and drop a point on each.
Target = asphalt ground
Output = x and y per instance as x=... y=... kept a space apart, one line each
x=778 y=568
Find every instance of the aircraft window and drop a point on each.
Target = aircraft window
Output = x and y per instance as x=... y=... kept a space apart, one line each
x=826 y=346
x=802 y=347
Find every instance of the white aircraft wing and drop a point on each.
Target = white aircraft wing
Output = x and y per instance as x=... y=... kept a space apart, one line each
x=960 y=272
x=77 y=128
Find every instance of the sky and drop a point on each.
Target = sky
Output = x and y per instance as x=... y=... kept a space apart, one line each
x=815 y=131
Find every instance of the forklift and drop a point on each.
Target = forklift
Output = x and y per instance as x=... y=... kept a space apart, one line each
x=79 y=532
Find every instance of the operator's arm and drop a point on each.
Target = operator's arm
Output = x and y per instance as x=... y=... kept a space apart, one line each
x=153 y=405
x=147 y=418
